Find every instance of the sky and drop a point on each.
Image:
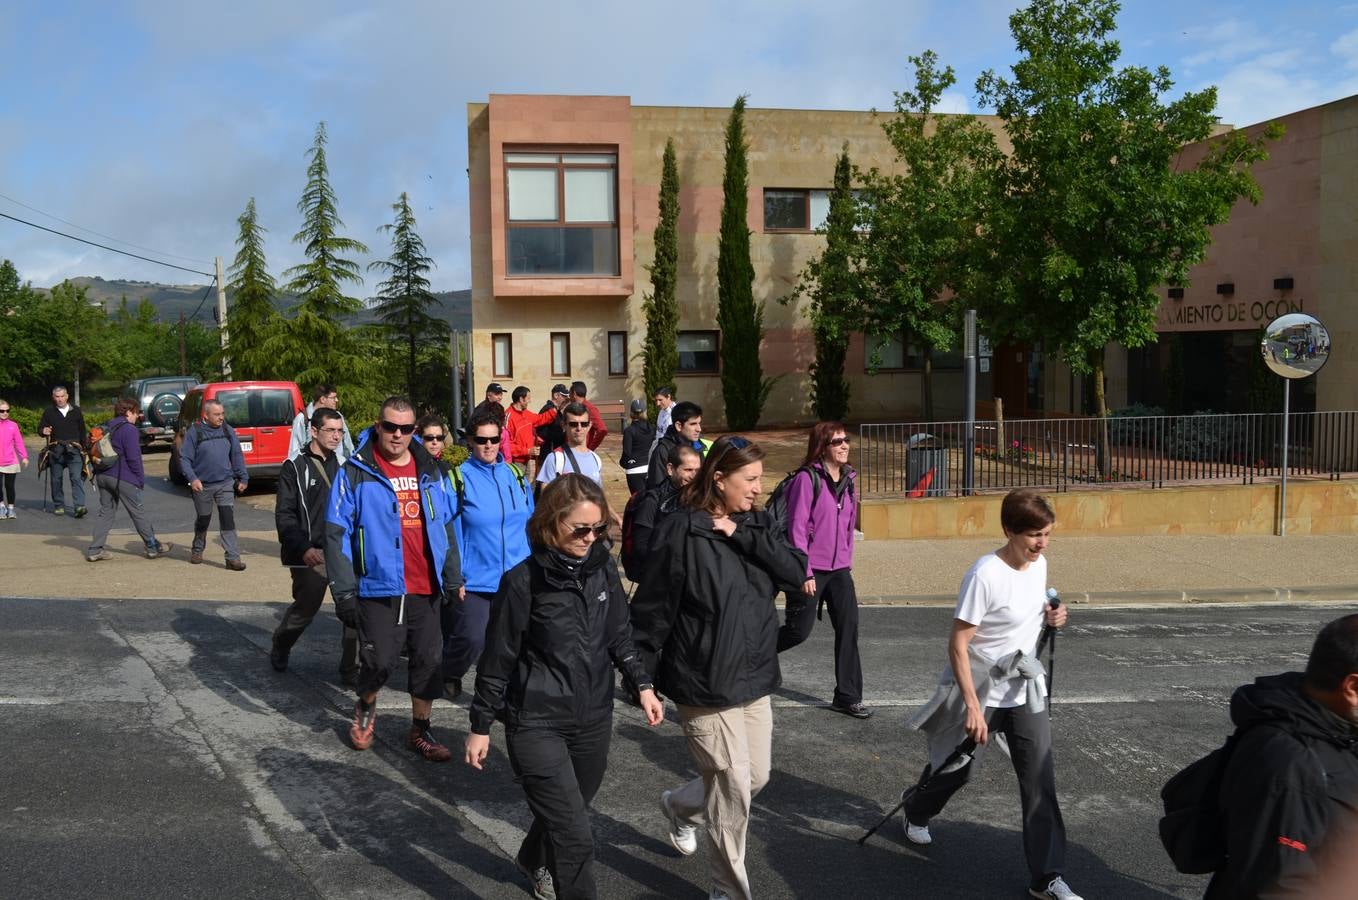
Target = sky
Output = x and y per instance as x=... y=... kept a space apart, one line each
x=147 y=125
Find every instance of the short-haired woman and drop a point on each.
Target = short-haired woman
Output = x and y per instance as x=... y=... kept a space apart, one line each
x=557 y=629
x=1001 y=611
x=434 y=436
x=706 y=601
x=122 y=483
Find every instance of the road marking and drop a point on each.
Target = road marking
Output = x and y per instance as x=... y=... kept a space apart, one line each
x=29 y=701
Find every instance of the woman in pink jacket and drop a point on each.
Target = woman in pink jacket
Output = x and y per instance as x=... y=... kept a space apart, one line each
x=822 y=513
x=13 y=457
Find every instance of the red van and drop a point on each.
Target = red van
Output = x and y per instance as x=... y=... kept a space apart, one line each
x=261 y=412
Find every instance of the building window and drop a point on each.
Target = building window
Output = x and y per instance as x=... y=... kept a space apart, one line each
x=698 y=352
x=894 y=353
x=562 y=213
x=795 y=210
x=502 y=355
x=617 y=353
x=561 y=354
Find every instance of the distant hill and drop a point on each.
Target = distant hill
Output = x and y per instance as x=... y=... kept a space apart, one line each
x=170 y=300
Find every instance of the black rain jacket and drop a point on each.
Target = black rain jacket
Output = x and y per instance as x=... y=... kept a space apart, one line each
x=299 y=508
x=551 y=644
x=705 y=607
x=1290 y=794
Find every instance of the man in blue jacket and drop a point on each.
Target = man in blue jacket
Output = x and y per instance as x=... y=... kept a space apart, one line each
x=215 y=468
x=391 y=556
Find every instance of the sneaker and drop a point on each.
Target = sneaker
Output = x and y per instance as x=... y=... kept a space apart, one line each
x=423 y=743
x=96 y=557
x=196 y=557
x=278 y=657
x=4 y=511
x=539 y=880
x=918 y=834
x=452 y=688
x=80 y=512
x=683 y=837
x=159 y=550
x=235 y=565
x=58 y=510
x=1056 y=889
x=857 y=710
x=361 y=732
x=718 y=894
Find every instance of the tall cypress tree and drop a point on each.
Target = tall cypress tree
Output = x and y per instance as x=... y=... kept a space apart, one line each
x=661 y=347
x=741 y=320
x=253 y=319
x=405 y=295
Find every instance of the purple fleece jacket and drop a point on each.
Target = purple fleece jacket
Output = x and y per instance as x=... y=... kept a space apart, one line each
x=824 y=533
x=128 y=467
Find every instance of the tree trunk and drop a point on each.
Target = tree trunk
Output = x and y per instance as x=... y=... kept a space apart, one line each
x=1101 y=436
x=927 y=385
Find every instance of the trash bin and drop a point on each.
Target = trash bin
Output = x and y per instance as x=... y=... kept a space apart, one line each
x=926 y=467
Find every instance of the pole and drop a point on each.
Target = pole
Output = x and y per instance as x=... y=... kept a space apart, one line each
x=969 y=364
x=1282 y=492
x=183 y=352
x=221 y=318
x=456 y=356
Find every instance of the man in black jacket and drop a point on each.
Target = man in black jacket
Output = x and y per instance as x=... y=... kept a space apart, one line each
x=299 y=515
x=1290 y=792
x=687 y=430
x=63 y=424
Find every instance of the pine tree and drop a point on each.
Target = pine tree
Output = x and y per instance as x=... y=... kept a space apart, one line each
x=661 y=347
x=743 y=386
x=405 y=295
x=253 y=318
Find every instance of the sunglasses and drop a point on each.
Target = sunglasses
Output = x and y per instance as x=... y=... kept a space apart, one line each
x=5 y=410
x=836 y=442
x=392 y=427
x=434 y=437
x=577 y=424
x=581 y=531
x=482 y=440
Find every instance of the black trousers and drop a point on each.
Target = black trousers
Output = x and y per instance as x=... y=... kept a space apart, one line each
x=560 y=770
x=308 y=594
x=836 y=590
x=636 y=483
x=1030 y=746
x=386 y=625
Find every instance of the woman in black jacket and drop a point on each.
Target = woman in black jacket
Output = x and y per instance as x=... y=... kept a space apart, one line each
x=557 y=621
x=705 y=606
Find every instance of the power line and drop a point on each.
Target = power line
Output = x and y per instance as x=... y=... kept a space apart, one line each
x=204 y=299
x=100 y=233
x=105 y=246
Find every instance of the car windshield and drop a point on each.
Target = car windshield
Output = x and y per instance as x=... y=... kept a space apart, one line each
x=258 y=407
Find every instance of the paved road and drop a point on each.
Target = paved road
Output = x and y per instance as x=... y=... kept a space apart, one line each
x=150 y=752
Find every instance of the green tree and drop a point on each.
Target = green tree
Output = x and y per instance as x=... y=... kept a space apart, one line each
x=1096 y=207
x=315 y=346
x=921 y=225
x=72 y=332
x=253 y=319
x=741 y=320
x=22 y=356
x=660 y=350
x=405 y=295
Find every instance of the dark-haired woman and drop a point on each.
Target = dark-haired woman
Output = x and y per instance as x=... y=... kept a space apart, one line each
x=822 y=513
x=705 y=607
x=557 y=628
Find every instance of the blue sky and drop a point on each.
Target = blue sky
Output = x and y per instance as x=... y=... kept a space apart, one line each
x=154 y=122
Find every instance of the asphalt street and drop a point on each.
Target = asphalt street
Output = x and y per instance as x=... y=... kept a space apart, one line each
x=151 y=752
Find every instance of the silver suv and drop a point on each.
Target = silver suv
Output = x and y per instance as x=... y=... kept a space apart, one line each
x=159 y=400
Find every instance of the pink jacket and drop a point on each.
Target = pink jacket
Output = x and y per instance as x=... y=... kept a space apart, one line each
x=12 y=447
x=821 y=523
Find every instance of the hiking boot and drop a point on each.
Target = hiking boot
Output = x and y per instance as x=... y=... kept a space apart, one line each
x=96 y=557
x=1056 y=889
x=159 y=550
x=58 y=510
x=857 y=710
x=278 y=657
x=361 y=732
x=683 y=837
x=235 y=565
x=81 y=512
x=196 y=557
x=423 y=743
x=539 y=880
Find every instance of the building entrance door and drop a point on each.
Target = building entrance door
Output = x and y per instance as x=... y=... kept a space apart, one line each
x=1018 y=380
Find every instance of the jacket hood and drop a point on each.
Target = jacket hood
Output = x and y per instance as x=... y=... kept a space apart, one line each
x=1282 y=699
x=554 y=570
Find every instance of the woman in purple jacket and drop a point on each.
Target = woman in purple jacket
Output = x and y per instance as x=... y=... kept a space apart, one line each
x=822 y=512
x=123 y=482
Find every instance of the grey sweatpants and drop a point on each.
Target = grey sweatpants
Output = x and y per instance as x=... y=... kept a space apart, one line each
x=111 y=493
x=222 y=495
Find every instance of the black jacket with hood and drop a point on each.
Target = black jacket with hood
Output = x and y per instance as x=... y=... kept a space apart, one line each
x=1290 y=794
x=555 y=633
x=299 y=508
x=705 y=607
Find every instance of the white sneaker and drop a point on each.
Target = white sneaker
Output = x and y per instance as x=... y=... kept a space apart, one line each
x=683 y=837
x=718 y=894
x=5 y=511
x=1057 y=889
x=918 y=834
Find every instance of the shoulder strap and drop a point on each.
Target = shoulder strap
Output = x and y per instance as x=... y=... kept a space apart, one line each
x=520 y=475
x=575 y=464
x=320 y=470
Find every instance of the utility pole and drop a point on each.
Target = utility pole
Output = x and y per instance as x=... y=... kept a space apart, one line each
x=221 y=317
x=183 y=353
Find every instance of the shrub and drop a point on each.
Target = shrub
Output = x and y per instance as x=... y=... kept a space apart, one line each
x=26 y=419
x=1125 y=425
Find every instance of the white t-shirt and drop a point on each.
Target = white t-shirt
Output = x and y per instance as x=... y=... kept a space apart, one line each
x=558 y=463
x=1007 y=607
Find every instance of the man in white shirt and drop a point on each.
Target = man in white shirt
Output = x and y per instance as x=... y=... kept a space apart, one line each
x=323 y=396
x=576 y=455
x=664 y=401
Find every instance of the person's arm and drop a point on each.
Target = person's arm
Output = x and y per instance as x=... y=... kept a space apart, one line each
x=656 y=601
x=188 y=450
x=643 y=525
x=657 y=471
x=547 y=471
x=510 y=611
x=347 y=440
x=958 y=643
x=799 y=500
x=237 y=457
x=340 y=515
x=626 y=658
x=452 y=560
x=298 y=438
x=129 y=451
x=598 y=430
x=758 y=538
x=82 y=431
x=293 y=533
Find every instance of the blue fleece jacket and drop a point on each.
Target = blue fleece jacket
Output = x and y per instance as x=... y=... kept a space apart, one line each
x=212 y=455
x=492 y=527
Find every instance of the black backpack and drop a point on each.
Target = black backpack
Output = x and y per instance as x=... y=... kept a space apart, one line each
x=1193 y=829
x=628 y=556
x=776 y=505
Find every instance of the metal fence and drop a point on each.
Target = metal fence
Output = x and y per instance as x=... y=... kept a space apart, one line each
x=937 y=459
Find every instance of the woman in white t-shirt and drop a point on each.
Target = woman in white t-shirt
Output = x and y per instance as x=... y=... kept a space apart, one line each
x=1002 y=608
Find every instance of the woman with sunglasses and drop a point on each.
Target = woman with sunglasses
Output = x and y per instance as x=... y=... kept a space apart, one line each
x=558 y=627
x=494 y=502
x=822 y=513
x=705 y=608
x=434 y=436
x=13 y=458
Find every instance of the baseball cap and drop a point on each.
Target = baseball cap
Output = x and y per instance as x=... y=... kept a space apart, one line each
x=495 y=388
x=638 y=406
x=559 y=389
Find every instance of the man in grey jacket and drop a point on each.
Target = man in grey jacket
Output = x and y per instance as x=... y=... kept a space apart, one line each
x=323 y=396
x=215 y=468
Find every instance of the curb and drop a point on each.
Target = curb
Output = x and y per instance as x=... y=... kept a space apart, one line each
x=1339 y=593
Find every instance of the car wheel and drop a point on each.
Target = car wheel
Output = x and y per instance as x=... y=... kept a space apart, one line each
x=163 y=410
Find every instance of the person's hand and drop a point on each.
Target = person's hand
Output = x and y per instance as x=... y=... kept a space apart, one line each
x=976 y=727
x=533 y=452
x=809 y=587
x=240 y=487
x=478 y=746
x=461 y=593
x=651 y=705
x=724 y=524
x=1057 y=617
x=346 y=610
x=23 y=464
x=46 y=430
x=313 y=556
x=197 y=485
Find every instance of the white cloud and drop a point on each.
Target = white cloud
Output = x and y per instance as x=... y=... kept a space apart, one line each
x=1346 y=48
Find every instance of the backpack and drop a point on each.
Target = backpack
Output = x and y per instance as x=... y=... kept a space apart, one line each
x=1193 y=830
x=459 y=484
x=776 y=505
x=103 y=454
x=631 y=563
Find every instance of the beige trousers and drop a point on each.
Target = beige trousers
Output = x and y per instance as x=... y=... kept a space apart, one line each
x=731 y=747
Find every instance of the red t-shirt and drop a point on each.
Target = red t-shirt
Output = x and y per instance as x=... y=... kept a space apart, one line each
x=419 y=567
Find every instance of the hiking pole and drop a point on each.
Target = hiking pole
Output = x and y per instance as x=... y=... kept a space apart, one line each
x=966 y=748
x=1049 y=639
